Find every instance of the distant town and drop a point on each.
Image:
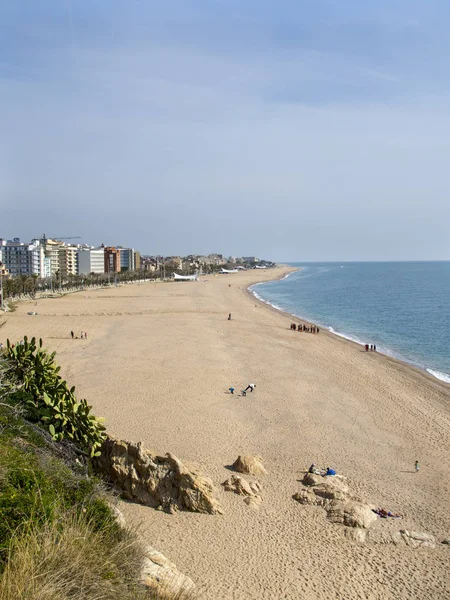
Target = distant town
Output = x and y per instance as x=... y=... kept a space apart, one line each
x=51 y=264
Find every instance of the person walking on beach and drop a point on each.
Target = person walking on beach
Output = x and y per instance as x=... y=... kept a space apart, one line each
x=250 y=387
x=417 y=466
x=82 y=335
x=85 y=335
x=229 y=317
x=374 y=348
x=367 y=347
x=72 y=334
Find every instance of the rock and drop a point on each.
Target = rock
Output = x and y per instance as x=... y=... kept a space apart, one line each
x=162 y=576
x=351 y=514
x=356 y=535
x=118 y=515
x=319 y=494
x=157 y=481
x=253 y=501
x=242 y=487
x=312 y=479
x=252 y=465
x=415 y=539
x=238 y=485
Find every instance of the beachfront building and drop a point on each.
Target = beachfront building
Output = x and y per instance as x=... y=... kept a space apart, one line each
x=112 y=259
x=68 y=260
x=127 y=258
x=22 y=258
x=15 y=257
x=91 y=260
x=36 y=258
x=51 y=252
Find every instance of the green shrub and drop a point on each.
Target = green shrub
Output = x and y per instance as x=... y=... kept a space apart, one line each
x=48 y=399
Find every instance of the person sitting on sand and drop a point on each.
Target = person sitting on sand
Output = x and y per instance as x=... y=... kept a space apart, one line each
x=243 y=393
x=330 y=472
x=313 y=469
x=250 y=387
x=231 y=390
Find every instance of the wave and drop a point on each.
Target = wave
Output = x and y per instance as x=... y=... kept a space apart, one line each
x=439 y=375
x=258 y=297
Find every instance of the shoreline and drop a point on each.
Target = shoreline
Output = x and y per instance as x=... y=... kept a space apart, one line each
x=428 y=372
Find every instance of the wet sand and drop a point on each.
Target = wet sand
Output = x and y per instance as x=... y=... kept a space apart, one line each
x=157 y=364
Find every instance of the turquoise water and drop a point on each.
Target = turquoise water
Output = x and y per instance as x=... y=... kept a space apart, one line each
x=403 y=308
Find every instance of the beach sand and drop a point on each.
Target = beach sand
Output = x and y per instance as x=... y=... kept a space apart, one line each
x=157 y=364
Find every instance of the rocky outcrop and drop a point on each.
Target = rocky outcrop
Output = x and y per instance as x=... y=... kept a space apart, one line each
x=318 y=490
x=162 y=482
x=159 y=574
x=333 y=494
x=351 y=514
x=242 y=487
x=415 y=539
x=251 y=465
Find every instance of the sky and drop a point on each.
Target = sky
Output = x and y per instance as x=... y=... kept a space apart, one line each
x=294 y=130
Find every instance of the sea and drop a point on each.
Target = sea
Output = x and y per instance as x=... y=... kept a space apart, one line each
x=402 y=307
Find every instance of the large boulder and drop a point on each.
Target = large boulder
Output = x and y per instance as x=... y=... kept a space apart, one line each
x=162 y=482
x=312 y=479
x=252 y=465
x=161 y=576
x=351 y=514
x=319 y=491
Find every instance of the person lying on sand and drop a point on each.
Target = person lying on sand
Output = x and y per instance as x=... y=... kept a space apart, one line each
x=384 y=514
x=330 y=472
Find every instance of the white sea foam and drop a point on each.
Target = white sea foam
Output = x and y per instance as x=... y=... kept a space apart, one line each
x=258 y=297
x=439 y=375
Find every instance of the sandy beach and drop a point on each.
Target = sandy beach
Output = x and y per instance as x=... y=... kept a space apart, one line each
x=158 y=362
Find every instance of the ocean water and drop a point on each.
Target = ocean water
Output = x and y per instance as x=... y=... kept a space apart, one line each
x=403 y=308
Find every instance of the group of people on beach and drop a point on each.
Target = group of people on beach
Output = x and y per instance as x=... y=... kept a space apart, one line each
x=307 y=328
x=371 y=348
x=83 y=335
x=249 y=388
x=324 y=471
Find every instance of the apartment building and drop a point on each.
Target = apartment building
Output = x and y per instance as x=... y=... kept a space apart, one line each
x=91 y=260
x=68 y=260
x=127 y=259
x=22 y=258
x=112 y=259
x=51 y=251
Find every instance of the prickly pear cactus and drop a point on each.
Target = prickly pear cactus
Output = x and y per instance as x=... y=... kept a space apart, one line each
x=48 y=399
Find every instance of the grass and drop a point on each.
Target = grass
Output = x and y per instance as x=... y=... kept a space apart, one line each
x=70 y=558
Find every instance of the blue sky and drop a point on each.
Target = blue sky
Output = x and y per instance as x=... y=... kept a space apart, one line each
x=296 y=130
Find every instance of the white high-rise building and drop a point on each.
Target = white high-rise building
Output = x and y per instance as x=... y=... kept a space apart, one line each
x=21 y=258
x=91 y=261
x=36 y=252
